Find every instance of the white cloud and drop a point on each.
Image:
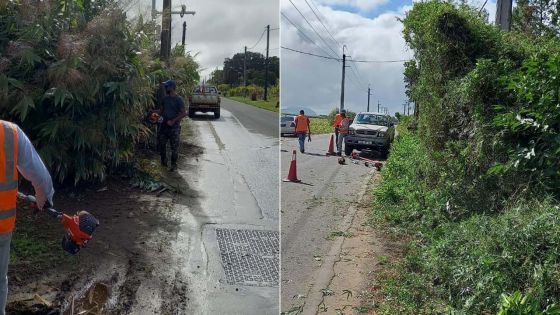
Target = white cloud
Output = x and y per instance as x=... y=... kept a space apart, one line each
x=315 y=83
x=221 y=28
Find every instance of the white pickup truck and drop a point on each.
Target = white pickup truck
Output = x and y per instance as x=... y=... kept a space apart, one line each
x=205 y=98
x=374 y=131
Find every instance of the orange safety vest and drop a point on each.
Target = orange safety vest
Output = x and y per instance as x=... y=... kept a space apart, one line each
x=301 y=124
x=8 y=175
x=337 y=120
x=344 y=126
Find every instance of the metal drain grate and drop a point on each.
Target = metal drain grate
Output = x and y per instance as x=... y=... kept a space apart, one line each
x=249 y=257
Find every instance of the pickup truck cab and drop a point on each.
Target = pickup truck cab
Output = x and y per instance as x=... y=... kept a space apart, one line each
x=205 y=98
x=374 y=131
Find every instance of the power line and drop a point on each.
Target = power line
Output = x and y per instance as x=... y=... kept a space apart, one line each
x=381 y=61
x=260 y=38
x=314 y=30
x=305 y=35
x=319 y=19
x=310 y=54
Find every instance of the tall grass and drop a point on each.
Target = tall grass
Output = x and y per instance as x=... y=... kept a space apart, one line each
x=461 y=265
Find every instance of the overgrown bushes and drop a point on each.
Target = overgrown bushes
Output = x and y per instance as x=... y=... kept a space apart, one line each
x=475 y=186
x=79 y=82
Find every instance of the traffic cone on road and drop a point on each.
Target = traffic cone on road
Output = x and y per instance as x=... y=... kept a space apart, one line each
x=331 y=147
x=292 y=173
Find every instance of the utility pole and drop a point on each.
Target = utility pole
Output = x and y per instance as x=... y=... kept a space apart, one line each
x=404 y=109
x=184 y=32
x=166 y=30
x=378 y=106
x=408 y=103
x=343 y=75
x=503 y=14
x=266 y=63
x=245 y=68
x=368 y=95
x=165 y=50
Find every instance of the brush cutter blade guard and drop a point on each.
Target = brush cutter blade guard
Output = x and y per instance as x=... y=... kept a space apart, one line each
x=79 y=230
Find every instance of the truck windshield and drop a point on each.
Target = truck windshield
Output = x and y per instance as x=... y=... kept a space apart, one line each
x=207 y=90
x=371 y=119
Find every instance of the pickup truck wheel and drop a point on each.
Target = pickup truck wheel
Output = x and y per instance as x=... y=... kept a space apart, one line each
x=348 y=149
x=217 y=114
x=385 y=152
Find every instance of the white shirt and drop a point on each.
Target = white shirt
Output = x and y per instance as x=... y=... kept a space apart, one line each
x=33 y=169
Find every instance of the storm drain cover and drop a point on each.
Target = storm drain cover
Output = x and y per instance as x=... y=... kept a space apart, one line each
x=249 y=257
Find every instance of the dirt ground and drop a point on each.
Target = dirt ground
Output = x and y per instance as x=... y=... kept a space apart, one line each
x=363 y=255
x=130 y=244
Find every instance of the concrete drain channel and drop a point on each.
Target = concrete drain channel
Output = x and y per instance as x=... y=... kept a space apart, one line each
x=249 y=257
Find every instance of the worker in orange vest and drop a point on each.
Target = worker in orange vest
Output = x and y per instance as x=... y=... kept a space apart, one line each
x=336 y=122
x=17 y=154
x=302 y=129
x=343 y=129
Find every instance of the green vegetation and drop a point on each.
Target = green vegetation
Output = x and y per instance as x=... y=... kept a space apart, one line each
x=472 y=183
x=320 y=125
x=270 y=104
x=79 y=78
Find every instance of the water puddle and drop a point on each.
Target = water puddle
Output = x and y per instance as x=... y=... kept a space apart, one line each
x=93 y=301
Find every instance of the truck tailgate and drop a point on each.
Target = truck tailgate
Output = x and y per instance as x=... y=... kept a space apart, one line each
x=205 y=99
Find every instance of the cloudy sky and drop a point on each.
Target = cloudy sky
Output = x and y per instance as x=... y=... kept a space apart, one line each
x=371 y=31
x=220 y=28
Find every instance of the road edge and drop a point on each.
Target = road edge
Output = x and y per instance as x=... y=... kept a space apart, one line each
x=324 y=275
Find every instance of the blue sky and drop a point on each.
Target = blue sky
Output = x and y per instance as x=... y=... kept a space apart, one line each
x=388 y=6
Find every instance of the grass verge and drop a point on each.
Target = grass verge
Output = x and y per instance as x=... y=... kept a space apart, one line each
x=471 y=265
x=321 y=126
x=270 y=104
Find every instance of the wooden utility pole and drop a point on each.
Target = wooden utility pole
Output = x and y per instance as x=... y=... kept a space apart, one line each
x=368 y=95
x=245 y=68
x=266 y=63
x=184 y=33
x=503 y=14
x=166 y=30
x=343 y=75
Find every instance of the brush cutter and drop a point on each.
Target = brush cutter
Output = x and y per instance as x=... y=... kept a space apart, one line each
x=79 y=227
x=367 y=162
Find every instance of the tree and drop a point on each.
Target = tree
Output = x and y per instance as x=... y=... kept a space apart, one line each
x=537 y=17
x=233 y=69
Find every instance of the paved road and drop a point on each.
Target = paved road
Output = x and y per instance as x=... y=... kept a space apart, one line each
x=311 y=212
x=237 y=184
x=254 y=119
x=223 y=254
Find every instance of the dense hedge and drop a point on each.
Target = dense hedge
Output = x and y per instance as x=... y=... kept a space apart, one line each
x=474 y=179
x=78 y=79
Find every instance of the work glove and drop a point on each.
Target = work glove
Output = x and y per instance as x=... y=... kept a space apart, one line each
x=309 y=138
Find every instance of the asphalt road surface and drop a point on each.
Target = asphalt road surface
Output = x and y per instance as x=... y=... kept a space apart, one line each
x=222 y=253
x=229 y=238
x=313 y=213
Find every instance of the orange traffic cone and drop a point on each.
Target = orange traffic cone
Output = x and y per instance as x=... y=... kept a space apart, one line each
x=331 y=147
x=292 y=173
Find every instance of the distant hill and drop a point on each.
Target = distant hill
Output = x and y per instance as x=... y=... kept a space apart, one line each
x=295 y=111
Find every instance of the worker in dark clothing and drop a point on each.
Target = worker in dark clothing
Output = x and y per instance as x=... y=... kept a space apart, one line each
x=172 y=111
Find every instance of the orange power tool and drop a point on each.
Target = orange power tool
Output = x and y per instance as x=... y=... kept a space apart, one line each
x=79 y=227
